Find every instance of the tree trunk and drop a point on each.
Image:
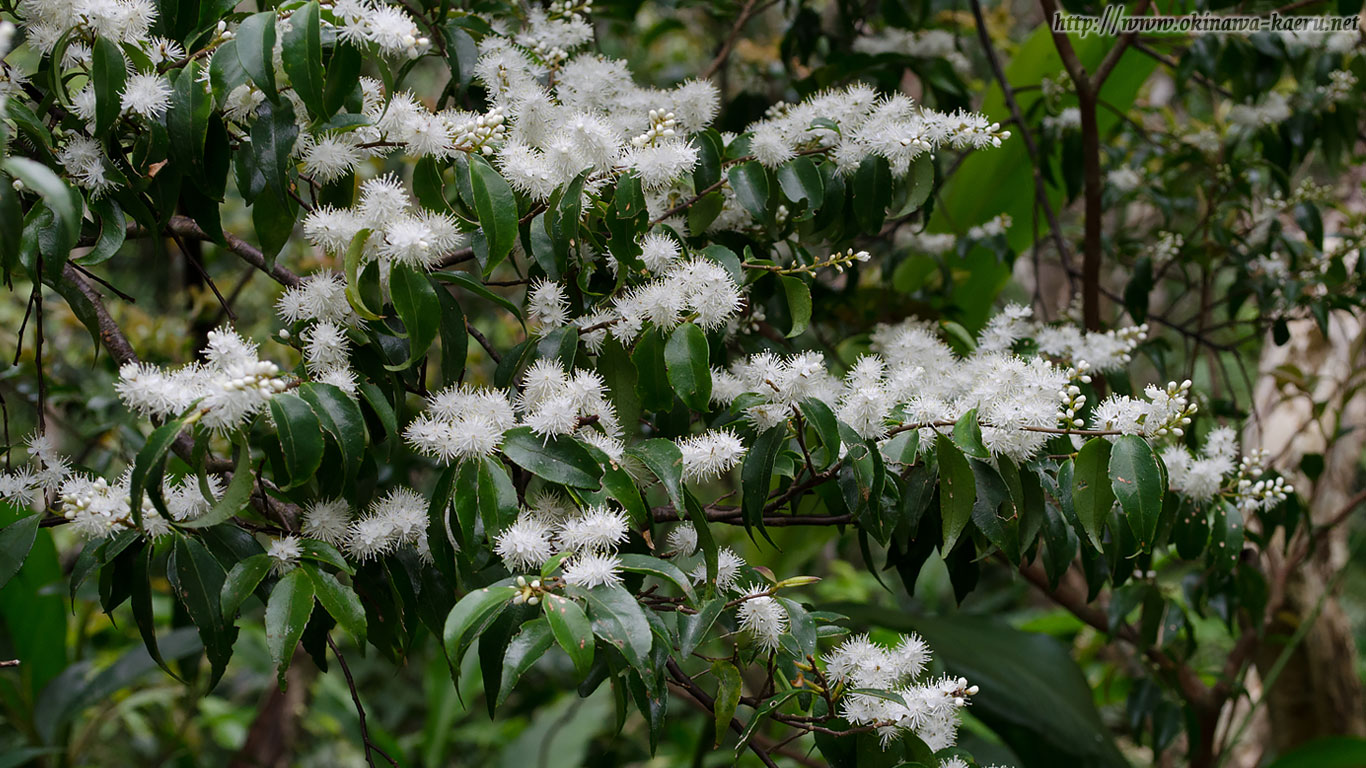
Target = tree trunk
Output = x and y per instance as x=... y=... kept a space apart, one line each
x=1318 y=692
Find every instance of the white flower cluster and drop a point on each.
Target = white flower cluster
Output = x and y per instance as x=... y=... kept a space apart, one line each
x=98 y=508
x=25 y=485
x=711 y=454
x=1167 y=247
x=695 y=289
x=1342 y=86
x=1219 y=469
x=1124 y=179
x=461 y=422
x=1273 y=109
x=920 y=44
x=728 y=564
x=85 y=164
x=320 y=300
x=550 y=526
x=553 y=402
x=1166 y=411
x=388 y=27
x=284 y=554
x=762 y=617
x=915 y=379
x=996 y=226
x=122 y=21
x=1096 y=351
x=230 y=386
x=928 y=709
x=397 y=519
x=854 y=123
x=399 y=231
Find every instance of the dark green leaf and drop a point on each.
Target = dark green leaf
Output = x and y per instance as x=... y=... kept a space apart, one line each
x=957 y=491
x=661 y=569
x=525 y=649
x=728 y=689
x=572 y=630
x=287 y=612
x=240 y=582
x=496 y=208
x=688 y=362
x=255 y=43
x=339 y=601
x=16 y=539
x=301 y=436
x=1092 y=495
x=757 y=473
x=967 y=435
x=1136 y=480
x=108 y=74
x=750 y=182
x=302 y=56
x=559 y=459
x=417 y=305
x=798 y=295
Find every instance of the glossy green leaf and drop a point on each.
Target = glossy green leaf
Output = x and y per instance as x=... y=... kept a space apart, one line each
x=525 y=649
x=234 y=498
x=302 y=56
x=572 y=630
x=967 y=435
x=272 y=142
x=801 y=181
x=729 y=686
x=339 y=601
x=474 y=611
x=957 y=491
x=150 y=464
x=16 y=539
x=301 y=436
x=1092 y=494
x=618 y=619
x=108 y=73
x=417 y=305
x=1136 y=480
x=688 y=362
x=559 y=459
x=287 y=612
x=255 y=43
x=341 y=417
x=240 y=582
x=750 y=182
x=496 y=208
x=798 y=295
x=197 y=579
x=756 y=474
x=660 y=569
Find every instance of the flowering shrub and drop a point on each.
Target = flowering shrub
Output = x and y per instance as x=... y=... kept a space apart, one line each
x=652 y=365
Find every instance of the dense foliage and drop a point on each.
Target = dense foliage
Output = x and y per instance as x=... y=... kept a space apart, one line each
x=742 y=348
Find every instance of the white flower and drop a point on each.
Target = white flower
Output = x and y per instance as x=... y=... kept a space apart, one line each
x=764 y=618
x=327 y=520
x=593 y=569
x=284 y=554
x=658 y=251
x=547 y=305
x=148 y=95
x=330 y=156
x=682 y=540
x=598 y=529
x=319 y=296
x=728 y=566
x=526 y=544
x=711 y=454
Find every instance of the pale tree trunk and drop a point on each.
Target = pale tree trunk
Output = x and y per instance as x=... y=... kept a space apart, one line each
x=1318 y=692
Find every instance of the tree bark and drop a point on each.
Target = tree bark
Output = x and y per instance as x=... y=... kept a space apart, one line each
x=1318 y=692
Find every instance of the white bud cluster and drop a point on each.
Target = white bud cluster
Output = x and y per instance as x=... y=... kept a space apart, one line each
x=662 y=124
x=481 y=133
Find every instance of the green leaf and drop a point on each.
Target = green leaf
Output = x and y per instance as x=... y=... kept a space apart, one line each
x=957 y=491
x=1092 y=493
x=16 y=539
x=559 y=459
x=187 y=120
x=235 y=496
x=798 y=295
x=496 y=208
x=287 y=612
x=652 y=375
x=342 y=418
x=756 y=475
x=455 y=337
x=967 y=434
x=1136 y=480
x=525 y=649
x=728 y=689
x=750 y=182
x=693 y=629
x=343 y=73
x=572 y=630
x=255 y=41
x=339 y=601
x=419 y=308
x=302 y=56
x=474 y=611
x=688 y=362
x=873 y=192
x=55 y=193
x=241 y=581
x=820 y=417
x=301 y=436
x=800 y=181
x=322 y=552
x=272 y=140
x=150 y=464
x=661 y=569
x=108 y=74
x=466 y=281
x=618 y=619
x=198 y=579
x=664 y=459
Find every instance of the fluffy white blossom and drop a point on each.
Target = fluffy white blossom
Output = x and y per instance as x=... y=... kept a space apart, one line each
x=284 y=554
x=327 y=520
x=526 y=544
x=762 y=617
x=461 y=422
x=593 y=569
x=711 y=454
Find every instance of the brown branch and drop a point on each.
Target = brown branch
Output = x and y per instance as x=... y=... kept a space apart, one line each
x=703 y=698
x=370 y=747
x=186 y=227
x=740 y=21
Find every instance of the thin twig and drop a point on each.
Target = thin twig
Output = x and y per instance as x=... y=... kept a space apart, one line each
x=360 y=710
